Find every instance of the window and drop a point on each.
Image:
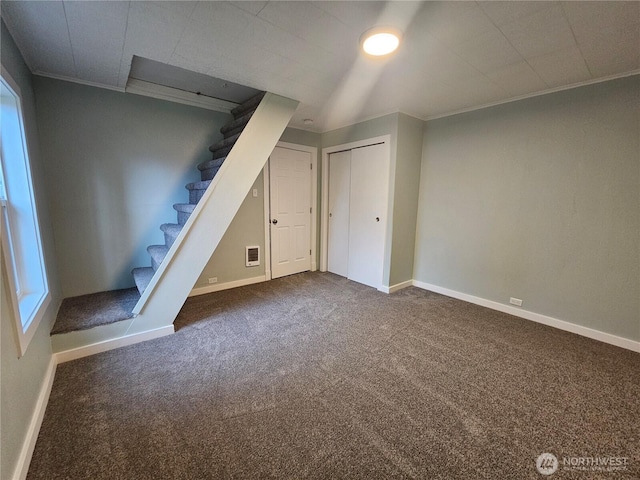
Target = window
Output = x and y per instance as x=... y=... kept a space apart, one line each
x=21 y=244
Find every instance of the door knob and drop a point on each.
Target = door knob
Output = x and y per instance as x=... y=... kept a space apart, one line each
x=274 y=221
x=330 y=215
x=377 y=219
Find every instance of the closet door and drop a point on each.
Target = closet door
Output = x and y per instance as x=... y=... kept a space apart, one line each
x=290 y=180
x=368 y=200
x=338 y=230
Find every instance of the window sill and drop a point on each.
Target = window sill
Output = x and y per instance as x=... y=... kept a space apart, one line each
x=32 y=309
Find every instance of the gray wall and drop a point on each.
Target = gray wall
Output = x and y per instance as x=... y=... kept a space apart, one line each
x=386 y=125
x=405 y=205
x=22 y=378
x=115 y=164
x=247 y=229
x=539 y=200
x=301 y=137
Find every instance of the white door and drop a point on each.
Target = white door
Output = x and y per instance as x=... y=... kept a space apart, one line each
x=338 y=229
x=290 y=208
x=368 y=202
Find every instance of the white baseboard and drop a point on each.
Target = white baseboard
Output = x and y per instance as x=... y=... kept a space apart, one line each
x=217 y=287
x=535 y=317
x=29 y=444
x=396 y=287
x=84 y=351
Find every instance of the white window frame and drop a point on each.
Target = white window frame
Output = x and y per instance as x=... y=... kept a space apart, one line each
x=26 y=273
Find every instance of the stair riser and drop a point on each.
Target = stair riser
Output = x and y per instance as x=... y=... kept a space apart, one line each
x=216 y=163
x=154 y=265
x=195 y=196
x=183 y=217
x=238 y=122
x=208 y=174
x=227 y=141
x=142 y=277
x=222 y=152
x=169 y=239
x=252 y=103
x=235 y=131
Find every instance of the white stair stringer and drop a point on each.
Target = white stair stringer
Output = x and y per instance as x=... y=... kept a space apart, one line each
x=166 y=293
x=175 y=277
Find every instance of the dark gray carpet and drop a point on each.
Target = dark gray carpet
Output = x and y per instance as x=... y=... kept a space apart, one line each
x=313 y=376
x=88 y=311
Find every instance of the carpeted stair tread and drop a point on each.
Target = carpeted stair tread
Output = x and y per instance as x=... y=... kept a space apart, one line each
x=142 y=276
x=226 y=142
x=184 y=211
x=238 y=122
x=157 y=252
x=171 y=228
x=184 y=207
x=198 y=189
x=234 y=131
x=202 y=185
x=88 y=311
x=215 y=163
x=248 y=105
x=221 y=152
x=171 y=232
x=209 y=173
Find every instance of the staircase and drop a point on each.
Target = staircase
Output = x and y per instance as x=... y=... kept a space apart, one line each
x=225 y=180
x=231 y=131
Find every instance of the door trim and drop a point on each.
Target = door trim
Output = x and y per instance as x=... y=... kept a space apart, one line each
x=266 y=191
x=314 y=205
x=324 y=221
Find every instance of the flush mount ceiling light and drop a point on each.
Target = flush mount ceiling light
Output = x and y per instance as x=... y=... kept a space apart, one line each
x=380 y=41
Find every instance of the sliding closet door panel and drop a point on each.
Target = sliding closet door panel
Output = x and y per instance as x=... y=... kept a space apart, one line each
x=339 y=184
x=369 y=194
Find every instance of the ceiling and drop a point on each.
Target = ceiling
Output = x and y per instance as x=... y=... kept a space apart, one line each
x=455 y=56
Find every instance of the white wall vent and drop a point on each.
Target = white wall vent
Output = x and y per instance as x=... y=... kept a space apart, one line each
x=252 y=256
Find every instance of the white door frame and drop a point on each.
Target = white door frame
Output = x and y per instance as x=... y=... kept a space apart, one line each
x=324 y=222
x=314 y=205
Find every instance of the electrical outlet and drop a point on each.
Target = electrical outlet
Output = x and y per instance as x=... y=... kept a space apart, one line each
x=255 y=192
x=213 y=280
x=515 y=301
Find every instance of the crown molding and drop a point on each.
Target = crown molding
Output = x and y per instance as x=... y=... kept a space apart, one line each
x=140 y=87
x=64 y=78
x=536 y=94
